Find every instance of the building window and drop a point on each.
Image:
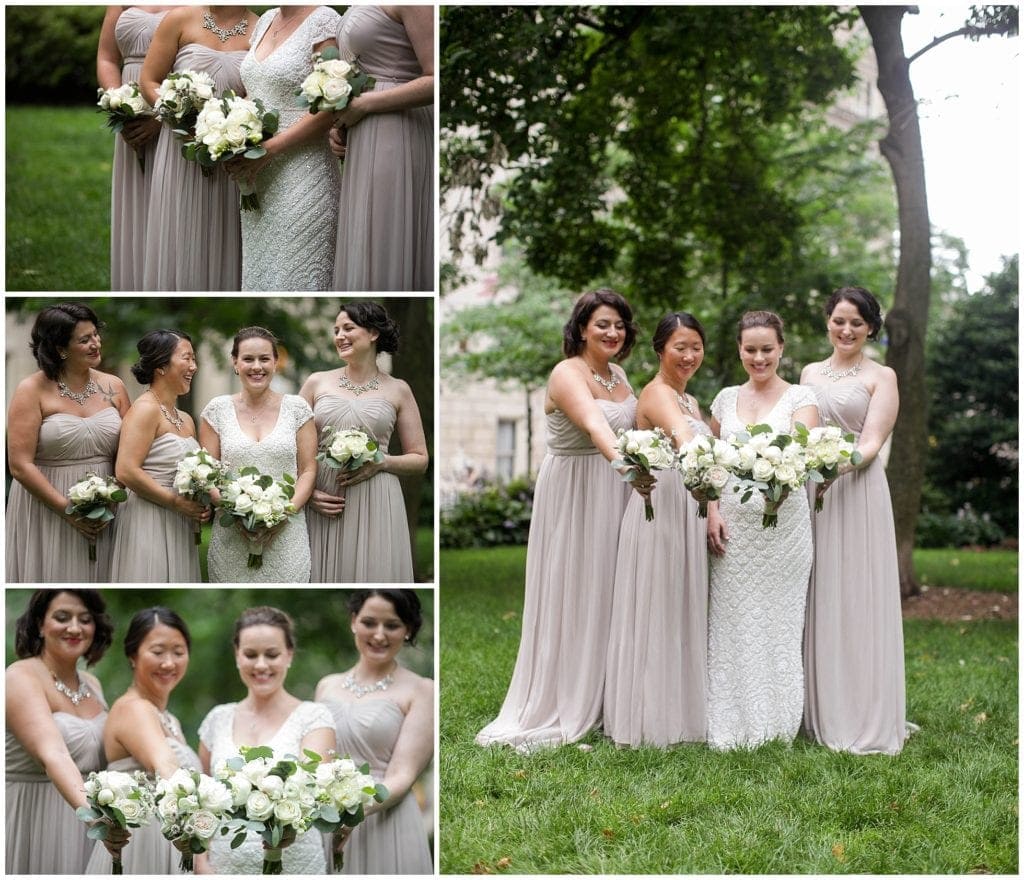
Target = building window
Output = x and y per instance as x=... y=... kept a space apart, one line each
x=505 y=454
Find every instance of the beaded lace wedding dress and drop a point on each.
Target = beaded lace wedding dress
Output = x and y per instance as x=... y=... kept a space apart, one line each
x=758 y=590
x=288 y=243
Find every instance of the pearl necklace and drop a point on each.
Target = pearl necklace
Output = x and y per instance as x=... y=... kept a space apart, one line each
x=210 y=24
x=76 y=697
x=79 y=397
x=836 y=375
x=361 y=690
x=346 y=383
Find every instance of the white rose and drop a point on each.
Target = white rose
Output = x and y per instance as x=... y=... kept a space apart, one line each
x=91 y=787
x=772 y=453
x=256 y=769
x=272 y=786
x=204 y=824
x=105 y=796
x=313 y=85
x=241 y=788
x=182 y=780
x=213 y=795
x=202 y=472
x=336 y=89
x=258 y=806
x=167 y=808
x=130 y=809
x=745 y=458
x=762 y=470
x=786 y=473
x=243 y=503
x=337 y=68
x=287 y=812
x=262 y=509
x=717 y=476
x=345 y=793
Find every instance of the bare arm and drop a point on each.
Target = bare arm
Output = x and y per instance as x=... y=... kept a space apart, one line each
x=209 y=438
x=807 y=415
x=30 y=719
x=136 y=728
x=414 y=748
x=413 y=459
x=108 y=56
x=323 y=741
x=305 y=457
x=881 y=417
x=24 y=419
x=162 y=51
x=659 y=408
x=569 y=392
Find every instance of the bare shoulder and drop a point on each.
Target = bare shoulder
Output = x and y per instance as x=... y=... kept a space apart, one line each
x=32 y=386
x=328 y=685
x=22 y=674
x=809 y=371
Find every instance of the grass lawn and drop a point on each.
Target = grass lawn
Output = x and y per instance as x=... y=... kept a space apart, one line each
x=947 y=804
x=973 y=570
x=58 y=199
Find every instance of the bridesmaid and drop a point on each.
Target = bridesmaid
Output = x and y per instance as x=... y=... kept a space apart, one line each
x=140 y=734
x=193 y=239
x=124 y=38
x=385 y=229
x=63 y=423
x=155 y=542
x=655 y=689
x=55 y=715
x=855 y=698
x=358 y=531
x=392 y=730
x=557 y=688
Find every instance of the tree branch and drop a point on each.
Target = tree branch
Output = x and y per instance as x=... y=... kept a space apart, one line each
x=965 y=31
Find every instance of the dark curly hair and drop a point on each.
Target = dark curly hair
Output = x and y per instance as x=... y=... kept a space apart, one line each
x=760 y=318
x=253 y=333
x=52 y=331
x=156 y=349
x=585 y=306
x=265 y=615
x=672 y=322
x=28 y=640
x=145 y=621
x=405 y=602
x=865 y=303
x=372 y=316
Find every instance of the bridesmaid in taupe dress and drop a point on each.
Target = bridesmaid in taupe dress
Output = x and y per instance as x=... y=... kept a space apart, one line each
x=62 y=424
x=156 y=543
x=855 y=697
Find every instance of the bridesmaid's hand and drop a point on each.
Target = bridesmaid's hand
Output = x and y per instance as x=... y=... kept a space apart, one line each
x=642 y=483
x=88 y=527
x=718 y=532
x=116 y=838
x=326 y=504
x=340 y=838
x=191 y=509
x=338 y=140
x=351 y=478
x=140 y=131
x=352 y=115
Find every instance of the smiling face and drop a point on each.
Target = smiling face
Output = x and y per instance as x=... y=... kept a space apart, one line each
x=181 y=368
x=161 y=660
x=379 y=631
x=255 y=362
x=760 y=352
x=83 y=348
x=67 y=628
x=682 y=355
x=263 y=658
x=604 y=334
x=847 y=329
x=351 y=340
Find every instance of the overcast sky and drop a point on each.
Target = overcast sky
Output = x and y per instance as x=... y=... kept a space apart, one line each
x=969 y=94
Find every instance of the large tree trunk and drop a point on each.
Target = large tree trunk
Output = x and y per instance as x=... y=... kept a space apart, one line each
x=907 y=321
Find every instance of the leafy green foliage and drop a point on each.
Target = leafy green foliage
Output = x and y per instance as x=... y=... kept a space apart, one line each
x=493 y=515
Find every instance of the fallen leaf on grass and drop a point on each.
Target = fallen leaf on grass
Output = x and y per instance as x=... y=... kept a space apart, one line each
x=895 y=807
x=594 y=793
x=980 y=869
x=980 y=718
x=608 y=833
x=503 y=863
x=839 y=851
x=965 y=706
x=664 y=806
x=637 y=818
x=585 y=747
x=520 y=774
x=509 y=615
x=479 y=803
x=482 y=868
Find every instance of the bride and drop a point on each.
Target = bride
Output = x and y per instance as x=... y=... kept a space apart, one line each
x=758 y=576
x=289 y=242
x=272 y=432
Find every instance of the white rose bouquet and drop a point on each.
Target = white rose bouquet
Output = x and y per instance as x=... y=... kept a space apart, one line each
x=231 y=126
x=826 y=449
x=122 y=104
x=770 y=463
x=181 y=96
x=348 y=449
x=641 y=452
x=333 y=82
x=343 y=792
x=198 y=473
x=121 y=799
x=259 y=504
x=706 y=463
x=92 y=498
x=276 y=798
x=191 y=807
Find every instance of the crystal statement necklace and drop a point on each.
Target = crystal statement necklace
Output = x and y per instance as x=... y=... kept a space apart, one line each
x=361 y=690
x=225 y=34
x=836 y=375
x=79 y=397
x=346 y=383
x=76 y=697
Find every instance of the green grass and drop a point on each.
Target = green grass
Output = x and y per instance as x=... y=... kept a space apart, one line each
x=947 y=804
x=973 y=570
x=58 y=199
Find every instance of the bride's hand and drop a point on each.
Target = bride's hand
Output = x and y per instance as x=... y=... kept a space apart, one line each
x=718 y=532
x=244 y=171
x=327 y=504
x=262 y=537
x=351 y=478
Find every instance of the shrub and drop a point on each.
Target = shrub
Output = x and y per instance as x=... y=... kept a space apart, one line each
x=495 y=514
x=961 y=529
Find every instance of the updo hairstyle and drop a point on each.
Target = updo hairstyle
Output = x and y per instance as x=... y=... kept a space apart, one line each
x=672 y=322
x=865 y=303
x=405 y=602
x=253 y=333
x=265 y=615
x=372 y=316
x=52 y=331
x=750 y=320
x=145 y=621
x=156 y=349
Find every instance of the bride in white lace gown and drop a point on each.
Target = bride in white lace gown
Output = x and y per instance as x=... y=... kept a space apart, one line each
x=758 y=576
x=289 y=242
x=267 y=716
x=275 y=433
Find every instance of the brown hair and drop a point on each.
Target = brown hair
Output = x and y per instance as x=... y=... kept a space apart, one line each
x=761 y=318
x=585 y=306
x=264 y=615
